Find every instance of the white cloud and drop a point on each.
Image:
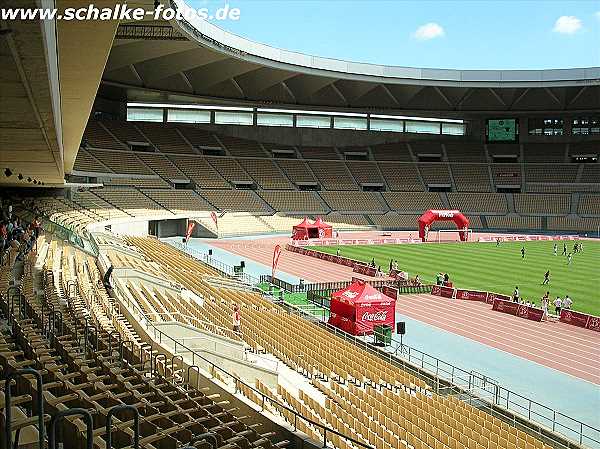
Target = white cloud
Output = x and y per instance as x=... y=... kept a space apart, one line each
x=567 y=25
x=429 y=31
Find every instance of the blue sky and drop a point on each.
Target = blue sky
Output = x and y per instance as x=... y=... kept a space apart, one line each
x=469 y=34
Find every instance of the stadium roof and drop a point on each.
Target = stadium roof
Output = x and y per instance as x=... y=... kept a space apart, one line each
x=196 y=58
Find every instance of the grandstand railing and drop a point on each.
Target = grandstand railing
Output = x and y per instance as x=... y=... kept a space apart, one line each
x=221 y=267
x=475 y=388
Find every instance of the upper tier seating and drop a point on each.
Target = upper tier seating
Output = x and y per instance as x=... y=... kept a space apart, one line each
x=297 y=171
x=318 y=153
x=97 y=205
x=124 y=131
x=151 y=183
x=413 y=201
x=532 y=203
x=234 y=200
x=591 y=173
x=165 y=138
x=401 y=177
x=465 y=152
x=392 y=220
x=589 y=204
x=96 y=136
x=333 y=175
x=266 y=173
x=122 y=162
x=365 y=172
x=471 y=177
x=161 y=165
x=435 y=173
x=513 y=222
x=391 y=152
x=353 y=201
x=544 y=152
x=426 y=148
x=199 y=137
x=179 y=201
x=198 y=170
x=286 y=201
x=506 y=174
x=130 y=200
x=242 y=147
x=552 y=173
x=85 y=162
x=478 y=202
x=576 y=224
x=504 y=150
x=229 y=169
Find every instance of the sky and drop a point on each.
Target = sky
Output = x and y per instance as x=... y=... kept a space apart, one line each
x=467 y=34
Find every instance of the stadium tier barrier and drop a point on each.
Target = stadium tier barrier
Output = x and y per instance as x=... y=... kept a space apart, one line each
x=528 y=238
x=520 y=310
x=499 y=302
x=357 y=266
x=580 y=319
x=334 y=242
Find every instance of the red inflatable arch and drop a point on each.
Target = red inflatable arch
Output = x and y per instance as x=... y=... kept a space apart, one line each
x=425 y=220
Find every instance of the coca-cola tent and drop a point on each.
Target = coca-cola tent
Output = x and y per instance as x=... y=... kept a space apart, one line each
x=358 y=307
x=325 y=230
x=305 y=230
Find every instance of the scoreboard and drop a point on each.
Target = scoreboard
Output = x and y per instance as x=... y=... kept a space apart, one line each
x=502 y=130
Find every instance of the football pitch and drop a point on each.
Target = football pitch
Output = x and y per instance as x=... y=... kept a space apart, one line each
x=484 y=266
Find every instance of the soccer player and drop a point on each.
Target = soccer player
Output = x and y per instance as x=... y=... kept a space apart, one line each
x=546 y=278
x=567 y=302
x=555 y=249
x=564 y=253
x=569 y=259
x=522 y=252
x=497 y=241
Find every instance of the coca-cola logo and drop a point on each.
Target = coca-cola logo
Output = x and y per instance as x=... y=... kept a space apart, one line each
x=594 y=324
x=566 y=316
x=522 y=311
x=376 y=316
x=350 y=294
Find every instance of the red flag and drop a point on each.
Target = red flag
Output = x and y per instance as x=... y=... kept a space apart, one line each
x=214 y=219
x=276 y=254
x=190 y=229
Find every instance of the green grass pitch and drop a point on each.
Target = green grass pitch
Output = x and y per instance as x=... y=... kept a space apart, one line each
x=487 y=267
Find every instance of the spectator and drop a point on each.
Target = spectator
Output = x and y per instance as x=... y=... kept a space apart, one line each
x=557 y=305
x=236 y=319
x=516 y=294
x=545 y=301
x=567 y=303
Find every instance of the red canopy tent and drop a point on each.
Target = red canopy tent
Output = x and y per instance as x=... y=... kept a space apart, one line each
x=305 y=230
x=325 y=230
x=358 y=307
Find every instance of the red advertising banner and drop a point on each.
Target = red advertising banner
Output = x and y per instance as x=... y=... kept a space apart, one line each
x=472 y=295
x=493 y=296
x=580 y=319
x=389 y=291
x=440 y=290
x=365 y=269
x=276 y=254
x=190 y=229
x=516 y=309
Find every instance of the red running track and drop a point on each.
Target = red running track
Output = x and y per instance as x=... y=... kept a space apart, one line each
x=560 y=346
x=566 y=348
